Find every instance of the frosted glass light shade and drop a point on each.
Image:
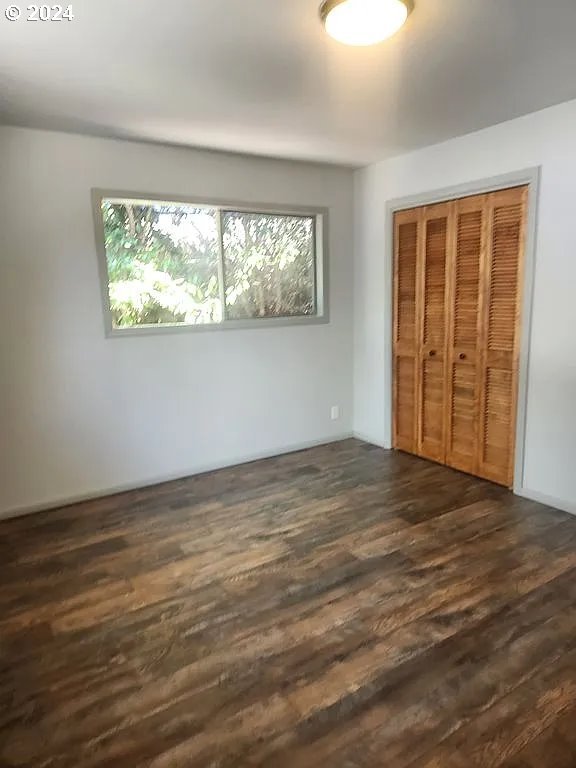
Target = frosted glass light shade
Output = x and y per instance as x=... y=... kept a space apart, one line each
x=364 y=22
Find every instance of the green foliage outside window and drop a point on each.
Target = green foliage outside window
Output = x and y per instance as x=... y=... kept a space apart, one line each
x=166 y=263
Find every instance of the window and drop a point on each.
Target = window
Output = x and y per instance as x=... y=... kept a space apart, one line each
x=178 y=264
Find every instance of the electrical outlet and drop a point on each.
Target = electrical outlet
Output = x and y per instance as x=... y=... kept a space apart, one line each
x=335 y=412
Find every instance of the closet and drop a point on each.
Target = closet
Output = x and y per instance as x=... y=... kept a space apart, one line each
x=458 y=274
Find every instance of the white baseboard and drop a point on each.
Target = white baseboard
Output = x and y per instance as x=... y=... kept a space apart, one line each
x=550 y=501
x=370 y=440
x=167 y=478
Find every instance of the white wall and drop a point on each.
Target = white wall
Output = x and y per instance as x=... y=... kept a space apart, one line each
x=546 y=138
x=81 y=414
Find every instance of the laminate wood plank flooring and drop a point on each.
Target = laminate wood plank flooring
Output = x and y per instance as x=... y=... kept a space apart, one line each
x=342 y=606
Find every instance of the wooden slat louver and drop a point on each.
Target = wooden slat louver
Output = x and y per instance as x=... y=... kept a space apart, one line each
x=407 y=230
x=433 y=339
x=507 y=214
x=435 y=281
x=463 y=385
x=468 y=257
x=407 y=261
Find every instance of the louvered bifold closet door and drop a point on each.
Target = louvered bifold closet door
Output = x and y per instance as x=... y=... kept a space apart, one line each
x=433 y=331
x=406 y=245
x=467 y=269
x=501 y=333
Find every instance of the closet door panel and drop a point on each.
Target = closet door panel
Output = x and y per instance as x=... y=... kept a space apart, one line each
x=432 y=298
x=457 y=303
x=465 y=333
x=507 y=217
x=463 y=430
x=432 y=410
x=405 y=437
x=406 y=246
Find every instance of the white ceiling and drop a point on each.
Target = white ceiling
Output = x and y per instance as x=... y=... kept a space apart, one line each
x=261 y=76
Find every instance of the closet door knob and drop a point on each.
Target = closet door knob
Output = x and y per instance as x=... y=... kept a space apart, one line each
x=432 y=353
x=462 y=356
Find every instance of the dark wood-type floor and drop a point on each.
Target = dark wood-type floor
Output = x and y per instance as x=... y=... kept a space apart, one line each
x=342 y=607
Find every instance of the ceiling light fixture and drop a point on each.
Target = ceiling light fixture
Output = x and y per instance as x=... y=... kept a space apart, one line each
x=364 y=22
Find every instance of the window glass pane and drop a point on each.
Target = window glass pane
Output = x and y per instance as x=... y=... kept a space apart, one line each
x=269 y=265
x=162 y=263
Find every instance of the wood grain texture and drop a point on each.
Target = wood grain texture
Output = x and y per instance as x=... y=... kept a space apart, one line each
x=342 y=606
x=458 y=296
x=506 y=211
x=407 y=238
x=465 y=334
x=432 y=303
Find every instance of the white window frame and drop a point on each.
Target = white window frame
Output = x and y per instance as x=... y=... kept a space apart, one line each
x=321 y=229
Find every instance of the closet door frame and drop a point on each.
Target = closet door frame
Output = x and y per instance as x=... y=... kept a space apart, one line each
x=526 y=177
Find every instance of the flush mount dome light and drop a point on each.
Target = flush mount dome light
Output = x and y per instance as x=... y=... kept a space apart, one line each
x=364 y=22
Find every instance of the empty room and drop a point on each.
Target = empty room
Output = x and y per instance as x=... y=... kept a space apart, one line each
x=288 y=384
